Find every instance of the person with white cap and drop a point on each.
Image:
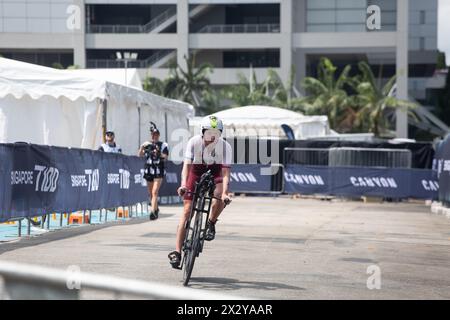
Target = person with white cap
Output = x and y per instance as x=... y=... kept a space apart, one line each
x=110 y=144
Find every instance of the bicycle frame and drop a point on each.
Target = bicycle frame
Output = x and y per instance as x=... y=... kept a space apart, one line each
x=194 y=237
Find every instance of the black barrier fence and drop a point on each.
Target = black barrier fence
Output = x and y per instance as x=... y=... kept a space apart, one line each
x=261 y=151
x=441 y=166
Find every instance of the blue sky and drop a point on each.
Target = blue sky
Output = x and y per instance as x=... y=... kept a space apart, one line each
x=444 y=28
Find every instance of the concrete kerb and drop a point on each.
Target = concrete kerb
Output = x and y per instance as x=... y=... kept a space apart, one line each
x=439 y=208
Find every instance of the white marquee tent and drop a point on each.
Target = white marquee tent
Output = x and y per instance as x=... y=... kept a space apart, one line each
x=263 y=121
x=66 y=108
x=126 y=77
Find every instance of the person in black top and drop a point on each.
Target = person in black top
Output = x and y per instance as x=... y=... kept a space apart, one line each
x=156 y=152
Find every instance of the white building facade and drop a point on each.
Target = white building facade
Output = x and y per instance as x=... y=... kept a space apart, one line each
x=232 y=35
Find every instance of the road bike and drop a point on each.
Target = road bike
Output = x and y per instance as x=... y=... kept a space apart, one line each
x=195 y=226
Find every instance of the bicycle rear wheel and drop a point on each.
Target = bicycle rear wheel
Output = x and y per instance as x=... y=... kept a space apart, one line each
x=192 y=252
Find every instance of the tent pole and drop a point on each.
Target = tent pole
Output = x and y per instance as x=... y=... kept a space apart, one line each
x=166 y=138
x=104 y=109
x=139 y=126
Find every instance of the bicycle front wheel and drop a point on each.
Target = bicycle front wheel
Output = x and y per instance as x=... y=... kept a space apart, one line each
x=192 y=251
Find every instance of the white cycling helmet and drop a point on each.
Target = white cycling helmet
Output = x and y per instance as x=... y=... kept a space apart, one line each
x=211 y=122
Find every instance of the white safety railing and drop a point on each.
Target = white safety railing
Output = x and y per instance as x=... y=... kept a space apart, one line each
x=111 y=63
x=241 y=28
x=150 y=61
x=146 y=28
x=163 y=17
x=114 y=28
x=21 y=282
x=107 y=63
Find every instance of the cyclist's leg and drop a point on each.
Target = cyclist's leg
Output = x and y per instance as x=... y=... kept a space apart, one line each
x=155 y=190
x=216 y=209
x=181 y=232
x=217 y=205
x=187 y=203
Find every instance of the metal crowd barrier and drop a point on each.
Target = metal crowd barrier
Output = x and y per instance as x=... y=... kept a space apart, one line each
x=347 y=156
x=306 y=156
x=369 y=157
x=29 y=282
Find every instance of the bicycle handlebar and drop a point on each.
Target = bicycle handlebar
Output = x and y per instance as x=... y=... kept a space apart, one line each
x=226 y=201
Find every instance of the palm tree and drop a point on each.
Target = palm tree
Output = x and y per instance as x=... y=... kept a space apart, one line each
x=373 y=100
x=283 y=95
x=248 y=92
x=272 y=91
x=326 y=94
x=211 y=102
x=154 y=85
x=187 y=84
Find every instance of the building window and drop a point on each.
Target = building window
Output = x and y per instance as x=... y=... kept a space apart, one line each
x=43 y=58
x=256 y=59
x=347 y=15
x=422 y=17
x=422 y=43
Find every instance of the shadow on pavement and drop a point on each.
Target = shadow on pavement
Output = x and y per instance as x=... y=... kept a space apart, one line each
x=234 y=284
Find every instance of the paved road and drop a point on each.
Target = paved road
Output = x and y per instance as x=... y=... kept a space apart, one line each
x=275 y=248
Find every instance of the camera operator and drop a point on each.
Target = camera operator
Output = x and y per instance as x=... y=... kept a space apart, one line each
x=156 y=153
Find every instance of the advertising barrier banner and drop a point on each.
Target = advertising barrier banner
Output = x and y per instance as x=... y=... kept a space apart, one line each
x=38 y=180
x=361 y=181
x=248 y=178
x=42 y=179
x=441 y=166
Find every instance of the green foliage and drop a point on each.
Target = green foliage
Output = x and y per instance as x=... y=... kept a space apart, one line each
x=272 y=91
x=248 y=91
x=154 y=85
x=326 y=95
x=441 y=63
x=57 y=65
x=187 y=85
x=212 y=101
x=443 y=102
x=73 y=67
x=372 y=101
x=364 y=110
